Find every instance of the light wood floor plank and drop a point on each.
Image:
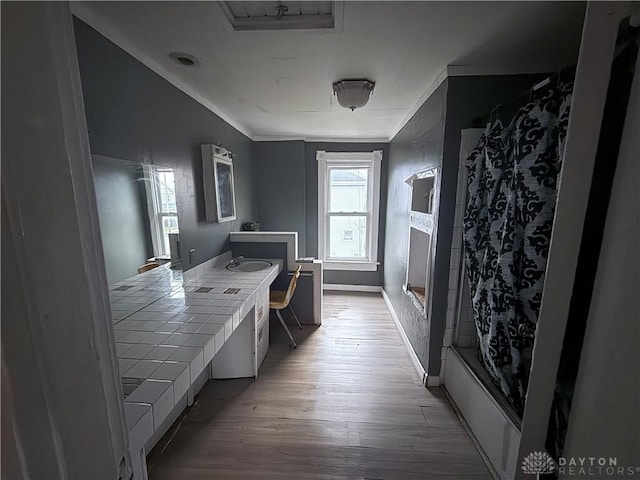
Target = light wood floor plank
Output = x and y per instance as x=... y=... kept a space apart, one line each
x=346 y=404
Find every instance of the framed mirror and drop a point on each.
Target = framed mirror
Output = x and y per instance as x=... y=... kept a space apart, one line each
x=218 y=182
x=138 y=215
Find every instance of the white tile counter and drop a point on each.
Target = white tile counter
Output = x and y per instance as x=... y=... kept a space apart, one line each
x=168 y=332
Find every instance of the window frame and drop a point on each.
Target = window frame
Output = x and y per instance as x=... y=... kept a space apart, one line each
x=154 y=204
x=371 y=160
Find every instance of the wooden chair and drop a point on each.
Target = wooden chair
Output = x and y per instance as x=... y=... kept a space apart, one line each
x=148 y=266
x=279 y=300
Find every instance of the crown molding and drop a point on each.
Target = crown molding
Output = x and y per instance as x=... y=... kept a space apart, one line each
x=80 y=11
x=468 y=71
x=346 y=140
x=440 y=78
x=284 y=138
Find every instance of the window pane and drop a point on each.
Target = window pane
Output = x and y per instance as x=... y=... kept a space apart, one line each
x=167 y=191
x=348 y=237
x=169 y=225
x=348 y=189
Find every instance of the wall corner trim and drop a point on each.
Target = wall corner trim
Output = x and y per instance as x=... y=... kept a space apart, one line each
x=465 y=71
x=432 y=381
x=426 y=380
x=437 y=81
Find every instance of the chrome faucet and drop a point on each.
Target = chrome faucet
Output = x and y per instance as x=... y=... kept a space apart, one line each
x=236 y=261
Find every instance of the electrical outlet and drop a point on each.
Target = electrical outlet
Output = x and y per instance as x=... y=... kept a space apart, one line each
x=192 y=255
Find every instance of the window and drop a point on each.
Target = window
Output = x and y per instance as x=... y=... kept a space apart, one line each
x=348 y=208
x=163 y=213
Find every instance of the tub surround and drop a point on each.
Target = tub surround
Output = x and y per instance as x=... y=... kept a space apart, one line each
x=175 y=330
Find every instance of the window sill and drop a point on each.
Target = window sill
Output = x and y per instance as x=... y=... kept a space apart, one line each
x=352 y=266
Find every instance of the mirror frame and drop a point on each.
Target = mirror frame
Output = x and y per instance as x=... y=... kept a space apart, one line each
x=427 y=223
x=213 y=155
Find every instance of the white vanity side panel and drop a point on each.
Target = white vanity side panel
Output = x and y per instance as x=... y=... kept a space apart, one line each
x=236 y=359
x=262 y=329
x=157 y=393
x=139 y=422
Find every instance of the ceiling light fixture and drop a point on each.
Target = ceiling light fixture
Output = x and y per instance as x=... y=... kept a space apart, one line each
x=353 y=94
x=281 y=11
x=184 y=59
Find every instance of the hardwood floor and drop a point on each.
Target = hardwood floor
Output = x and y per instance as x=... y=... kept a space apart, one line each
x=346 y=404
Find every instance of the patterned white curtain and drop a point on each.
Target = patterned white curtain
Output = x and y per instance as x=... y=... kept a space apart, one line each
x=512 y=179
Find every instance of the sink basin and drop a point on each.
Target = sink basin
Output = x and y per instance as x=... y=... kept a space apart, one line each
x=249 y=266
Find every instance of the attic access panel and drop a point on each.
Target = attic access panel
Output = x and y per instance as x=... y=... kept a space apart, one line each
x=282 y=15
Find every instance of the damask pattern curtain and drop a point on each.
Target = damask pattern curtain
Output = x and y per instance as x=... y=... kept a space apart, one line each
x=512 y=182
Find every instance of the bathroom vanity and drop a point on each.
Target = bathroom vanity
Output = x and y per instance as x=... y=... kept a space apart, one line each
x=176 y=330
x=307 y=301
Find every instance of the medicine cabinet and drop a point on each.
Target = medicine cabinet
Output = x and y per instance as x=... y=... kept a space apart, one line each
x=218 y=183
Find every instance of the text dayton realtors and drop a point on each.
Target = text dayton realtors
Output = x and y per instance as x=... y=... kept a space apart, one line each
x=593 y=466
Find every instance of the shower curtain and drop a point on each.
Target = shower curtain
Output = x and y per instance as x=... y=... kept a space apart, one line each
x=511 y=197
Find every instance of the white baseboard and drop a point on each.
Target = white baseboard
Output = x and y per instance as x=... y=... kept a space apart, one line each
x=352 y=288
x=426 y=380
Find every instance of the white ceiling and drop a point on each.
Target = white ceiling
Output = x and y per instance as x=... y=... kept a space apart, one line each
x=277 y=84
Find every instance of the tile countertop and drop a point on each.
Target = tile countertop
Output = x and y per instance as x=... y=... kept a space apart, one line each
x=166 y=332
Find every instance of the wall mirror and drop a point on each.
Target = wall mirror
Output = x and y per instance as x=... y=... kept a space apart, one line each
x=218 y=183
x=423 y=206
x=138 y=215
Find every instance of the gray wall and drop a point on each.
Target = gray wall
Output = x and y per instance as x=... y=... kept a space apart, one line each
x=418 y=146
x=280 y=188
x=124 y=221
x=432 y=139
x=287 y=196
x=311 y=173
x=134 y=114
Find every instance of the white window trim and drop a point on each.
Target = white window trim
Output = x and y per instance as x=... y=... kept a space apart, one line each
x=152 y=202
x=372 y=159
x=156 y=215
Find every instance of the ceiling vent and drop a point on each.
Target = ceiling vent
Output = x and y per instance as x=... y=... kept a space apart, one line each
x=283 y=15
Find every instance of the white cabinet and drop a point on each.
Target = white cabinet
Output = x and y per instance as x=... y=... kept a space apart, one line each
x=243 y=353
x=262 y=339
x=237 y=357
x=262 y=328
